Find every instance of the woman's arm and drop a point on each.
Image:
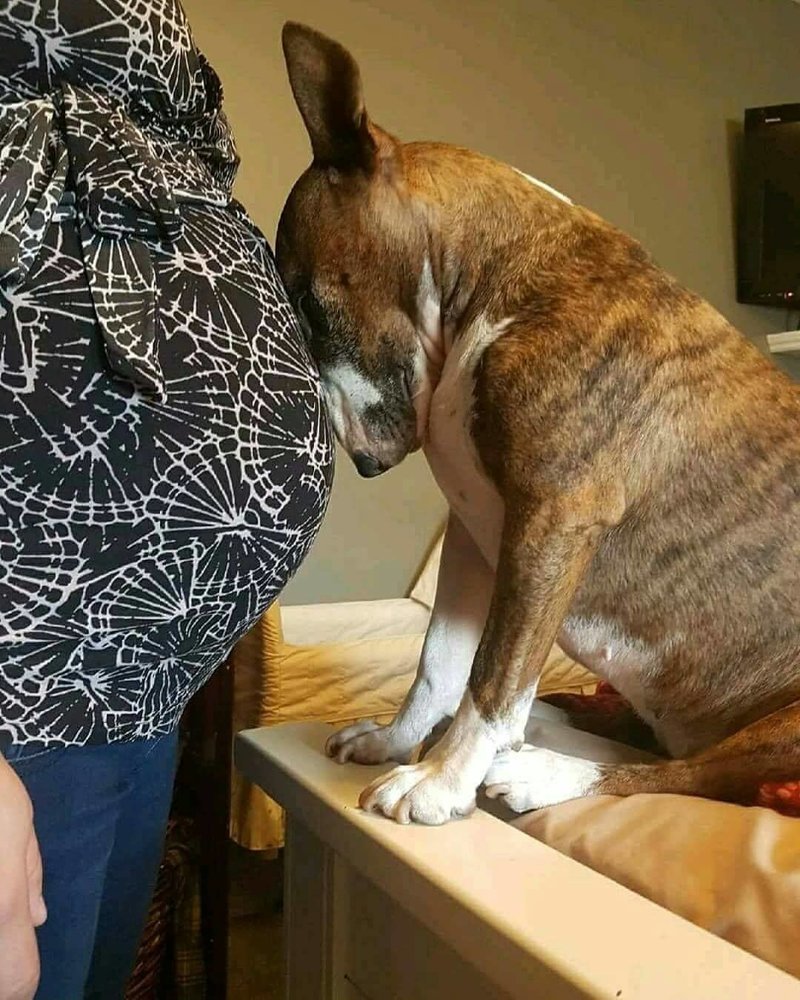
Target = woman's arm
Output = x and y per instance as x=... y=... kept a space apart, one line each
x=21 y=904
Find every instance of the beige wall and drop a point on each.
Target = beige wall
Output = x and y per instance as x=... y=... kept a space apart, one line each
x=629 y=106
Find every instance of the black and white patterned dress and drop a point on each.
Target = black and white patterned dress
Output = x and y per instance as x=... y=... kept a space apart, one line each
x=165 y=456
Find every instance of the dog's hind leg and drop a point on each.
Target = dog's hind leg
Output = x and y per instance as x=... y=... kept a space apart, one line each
x=732 y=771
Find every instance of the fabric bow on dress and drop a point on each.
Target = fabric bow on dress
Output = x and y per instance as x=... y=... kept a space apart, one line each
x=78 y=153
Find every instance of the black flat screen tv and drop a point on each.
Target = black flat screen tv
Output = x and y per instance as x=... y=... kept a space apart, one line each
x=768 y=259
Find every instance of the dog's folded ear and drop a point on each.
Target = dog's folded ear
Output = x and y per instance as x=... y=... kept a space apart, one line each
x=326 y=84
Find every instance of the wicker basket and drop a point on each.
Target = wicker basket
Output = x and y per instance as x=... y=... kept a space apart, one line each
x=149 y=980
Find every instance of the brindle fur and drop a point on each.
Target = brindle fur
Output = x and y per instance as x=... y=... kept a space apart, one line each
x=648 y=456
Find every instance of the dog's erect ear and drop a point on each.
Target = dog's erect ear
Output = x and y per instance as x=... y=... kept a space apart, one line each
x=327 y=87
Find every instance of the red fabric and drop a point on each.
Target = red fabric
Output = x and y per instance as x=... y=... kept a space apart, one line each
x=783 y=797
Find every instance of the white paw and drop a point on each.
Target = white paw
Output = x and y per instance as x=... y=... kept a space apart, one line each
x=366 y=742
x=532 y=778
x=430 y=792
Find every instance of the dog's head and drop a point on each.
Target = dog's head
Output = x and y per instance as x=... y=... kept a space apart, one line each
x=352 y=252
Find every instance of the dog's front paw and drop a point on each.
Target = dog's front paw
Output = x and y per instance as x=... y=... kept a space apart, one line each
x=532 y=778
x=366 y=742
x=430 y=793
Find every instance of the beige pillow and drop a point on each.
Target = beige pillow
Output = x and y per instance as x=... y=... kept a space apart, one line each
x=731 y=869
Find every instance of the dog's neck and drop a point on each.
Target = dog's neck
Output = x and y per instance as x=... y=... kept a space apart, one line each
x=477 y=214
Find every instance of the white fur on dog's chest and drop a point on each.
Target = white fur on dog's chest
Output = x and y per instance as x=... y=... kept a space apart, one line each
x=450 y=449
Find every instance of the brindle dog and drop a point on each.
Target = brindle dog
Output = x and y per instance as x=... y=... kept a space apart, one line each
x=622 y=466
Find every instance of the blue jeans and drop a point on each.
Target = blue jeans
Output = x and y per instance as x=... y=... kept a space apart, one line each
x=100 y=814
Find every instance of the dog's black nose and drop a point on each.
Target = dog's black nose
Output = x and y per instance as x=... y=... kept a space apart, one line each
x=367 y=465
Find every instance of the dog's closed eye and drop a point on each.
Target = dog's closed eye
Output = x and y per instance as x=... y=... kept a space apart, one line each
x=408 y=382
x=299 y=309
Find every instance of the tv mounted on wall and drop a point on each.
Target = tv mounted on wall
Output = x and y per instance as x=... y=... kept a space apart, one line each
x=769 y=208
